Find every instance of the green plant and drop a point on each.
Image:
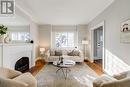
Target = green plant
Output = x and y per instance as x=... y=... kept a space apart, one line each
x=3 y=30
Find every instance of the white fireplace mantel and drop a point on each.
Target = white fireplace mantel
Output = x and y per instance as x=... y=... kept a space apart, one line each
x=10 y=53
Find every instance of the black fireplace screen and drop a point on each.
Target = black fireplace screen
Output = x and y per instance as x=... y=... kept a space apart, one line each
x=22 y=64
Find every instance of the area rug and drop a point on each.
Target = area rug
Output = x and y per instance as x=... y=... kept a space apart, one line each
x=81 y=75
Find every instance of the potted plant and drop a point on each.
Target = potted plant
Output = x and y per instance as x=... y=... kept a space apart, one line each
x=3 y=30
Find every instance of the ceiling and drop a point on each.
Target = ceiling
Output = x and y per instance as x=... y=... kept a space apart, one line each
x=63 y=12
x=13 y=21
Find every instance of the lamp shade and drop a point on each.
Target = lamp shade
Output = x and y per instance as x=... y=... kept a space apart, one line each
x=42 y=49
x=84 y=42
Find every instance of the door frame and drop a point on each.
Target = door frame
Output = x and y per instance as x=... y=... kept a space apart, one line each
x=92 y=42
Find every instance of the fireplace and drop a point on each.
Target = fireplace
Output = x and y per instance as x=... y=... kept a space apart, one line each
x=22 y=64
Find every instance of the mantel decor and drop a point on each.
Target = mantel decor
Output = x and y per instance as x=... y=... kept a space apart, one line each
x=3 y=31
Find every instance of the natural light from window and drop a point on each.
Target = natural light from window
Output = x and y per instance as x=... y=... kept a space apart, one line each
x=64 y=39
x=19 y=36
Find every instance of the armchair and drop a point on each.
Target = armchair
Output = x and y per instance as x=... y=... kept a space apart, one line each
x=12 y=78
x=120 y=80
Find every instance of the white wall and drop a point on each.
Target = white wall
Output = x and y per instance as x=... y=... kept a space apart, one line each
x=24 y=28
x=34 y=32
x=82 y=34
x=117 y=54
x=45 y=36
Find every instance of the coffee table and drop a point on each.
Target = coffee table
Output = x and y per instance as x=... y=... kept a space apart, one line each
x=64 y=67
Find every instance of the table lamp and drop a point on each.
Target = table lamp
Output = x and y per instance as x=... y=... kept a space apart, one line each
x=42 y=52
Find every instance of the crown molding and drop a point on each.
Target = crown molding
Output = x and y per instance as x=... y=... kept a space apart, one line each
x=27 y=14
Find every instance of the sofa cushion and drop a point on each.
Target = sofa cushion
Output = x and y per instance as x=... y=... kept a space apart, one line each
x=103 y=79
x=64 y=52
x=4 y=82
x=28 y=79
x=52 y=52
x=74 y=58
x=120 y=75
x=74 y=53
x=58 y=53
x=70 y=53
x=71 y=57
x=9 y=73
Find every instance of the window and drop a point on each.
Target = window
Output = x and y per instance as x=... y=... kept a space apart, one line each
x=64 y=36
x=64 y=39
x=20 y=36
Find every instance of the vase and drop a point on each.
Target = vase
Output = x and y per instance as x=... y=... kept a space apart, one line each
x=1 y=38
x=7 y=39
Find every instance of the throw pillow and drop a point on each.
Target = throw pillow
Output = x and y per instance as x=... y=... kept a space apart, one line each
x=52 y=52
x=58 y=53
x=75 y=52
x=70 y=53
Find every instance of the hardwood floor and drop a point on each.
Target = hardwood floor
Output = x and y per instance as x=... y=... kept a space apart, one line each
x=98 y=62
x=97 y=67
x=39 y=64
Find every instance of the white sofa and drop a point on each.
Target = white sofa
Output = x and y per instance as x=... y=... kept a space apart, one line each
x=13 y=78
x=120 y=80
x=51 y=58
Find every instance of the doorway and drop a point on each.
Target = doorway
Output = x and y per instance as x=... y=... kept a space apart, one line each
x=97 y=45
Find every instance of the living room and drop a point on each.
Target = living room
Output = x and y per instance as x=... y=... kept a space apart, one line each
x=61 y=43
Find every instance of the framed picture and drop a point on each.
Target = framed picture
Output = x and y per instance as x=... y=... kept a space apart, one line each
x=125 y=32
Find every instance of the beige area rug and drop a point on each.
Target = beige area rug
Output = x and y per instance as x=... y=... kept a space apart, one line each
x=81 y=75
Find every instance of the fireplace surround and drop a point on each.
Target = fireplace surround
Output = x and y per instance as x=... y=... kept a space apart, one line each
x=11 y=53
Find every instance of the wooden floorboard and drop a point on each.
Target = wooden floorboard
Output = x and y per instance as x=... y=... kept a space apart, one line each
x=39 y=64
x=95 y=66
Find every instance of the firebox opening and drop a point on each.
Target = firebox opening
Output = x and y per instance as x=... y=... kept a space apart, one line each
x=22 y=64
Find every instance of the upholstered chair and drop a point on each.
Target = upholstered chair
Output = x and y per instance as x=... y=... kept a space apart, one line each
x=13 y=78
x=120 y=80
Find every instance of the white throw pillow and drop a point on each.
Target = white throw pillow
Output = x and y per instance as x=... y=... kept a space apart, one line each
x=52 y=52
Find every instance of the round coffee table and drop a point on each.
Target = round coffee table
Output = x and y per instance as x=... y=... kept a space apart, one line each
x=64 y=66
